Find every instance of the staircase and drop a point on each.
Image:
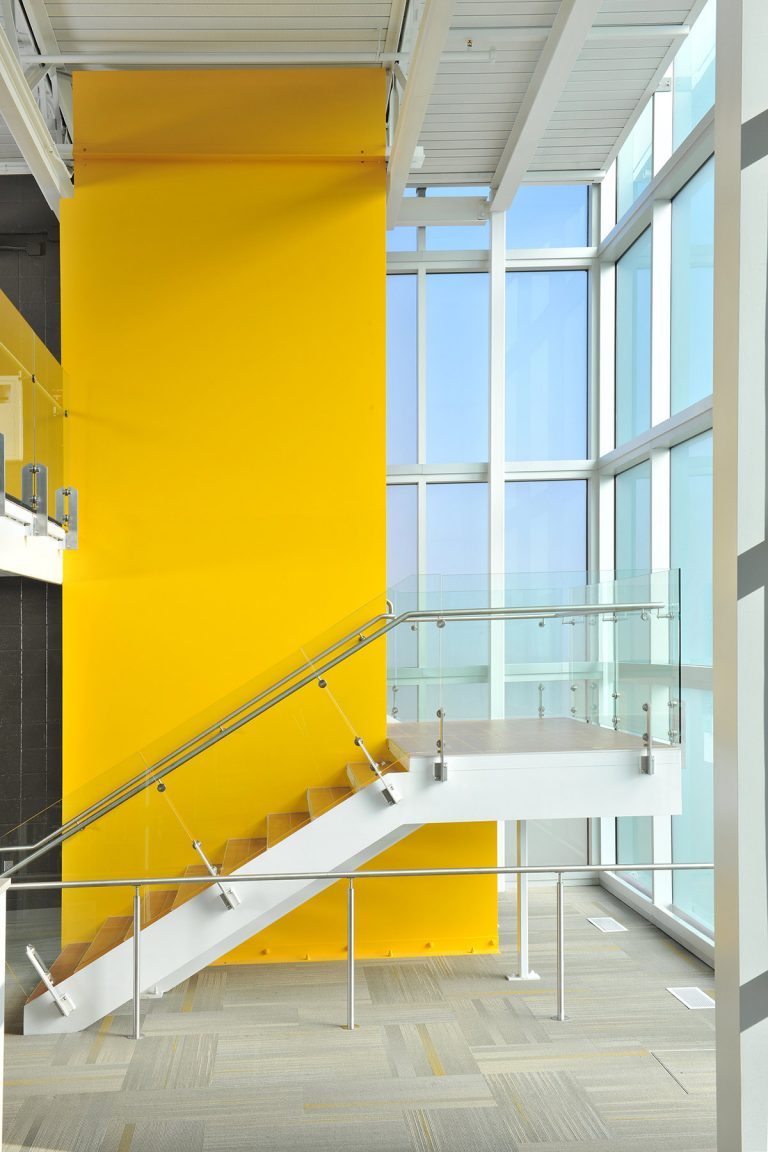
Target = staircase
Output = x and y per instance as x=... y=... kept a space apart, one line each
x=532 y=769
x=166 y=912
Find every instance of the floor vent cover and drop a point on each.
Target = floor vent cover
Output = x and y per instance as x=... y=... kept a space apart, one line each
x=692 y=997
x=606 y=923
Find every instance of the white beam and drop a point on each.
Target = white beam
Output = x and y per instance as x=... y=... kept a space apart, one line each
x=28 y=128
x=40 y=23
x=458 y=210
x=430 y=41
x=395 y=26
x=508 y=37
x=561 y=51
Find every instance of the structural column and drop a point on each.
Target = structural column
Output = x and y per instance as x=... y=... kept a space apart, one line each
x=740 y=575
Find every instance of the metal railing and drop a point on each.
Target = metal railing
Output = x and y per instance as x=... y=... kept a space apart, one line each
x=560 y=871
x=307 y=673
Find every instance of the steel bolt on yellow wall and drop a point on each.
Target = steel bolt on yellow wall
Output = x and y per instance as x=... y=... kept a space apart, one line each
x=223 y=315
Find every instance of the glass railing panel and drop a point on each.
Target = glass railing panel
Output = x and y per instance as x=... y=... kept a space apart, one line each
x=32 y=389
x=48 y=449
x=593 y=649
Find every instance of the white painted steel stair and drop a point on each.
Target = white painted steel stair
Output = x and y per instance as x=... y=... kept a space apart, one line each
x=342 y=828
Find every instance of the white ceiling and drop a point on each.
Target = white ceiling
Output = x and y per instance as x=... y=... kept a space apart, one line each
x=487 y=83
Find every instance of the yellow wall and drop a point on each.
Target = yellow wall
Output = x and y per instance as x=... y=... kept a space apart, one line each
x=223 y=326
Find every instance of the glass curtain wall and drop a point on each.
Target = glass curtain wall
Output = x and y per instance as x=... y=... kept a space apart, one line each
x=656 y=461
x=446 y=375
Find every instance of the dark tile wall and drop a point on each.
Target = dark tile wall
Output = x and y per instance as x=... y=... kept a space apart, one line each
x=30 y=718
x=29 y=257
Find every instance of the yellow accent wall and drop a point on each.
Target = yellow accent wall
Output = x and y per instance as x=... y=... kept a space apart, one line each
x=223 y=324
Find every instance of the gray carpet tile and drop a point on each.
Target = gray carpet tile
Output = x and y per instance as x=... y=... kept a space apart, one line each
x=448 y=1055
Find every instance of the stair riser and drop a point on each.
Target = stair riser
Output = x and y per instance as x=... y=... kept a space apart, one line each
x=200 y=931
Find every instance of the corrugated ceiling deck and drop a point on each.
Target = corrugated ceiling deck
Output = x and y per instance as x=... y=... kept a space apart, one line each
x=353 y=26
x=474 y=103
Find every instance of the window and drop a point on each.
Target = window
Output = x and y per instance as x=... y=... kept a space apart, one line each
x=546 y=366
x=545 y=533
x=401 y=369
x=634 y=167
x=633 y=340
x=457 y=548
x=457 y=368
x=549 y=216
x=693 y=258
x=694 y=76
x=634 y=834
x=402 y=239
x=691 y=541
x=402 y=552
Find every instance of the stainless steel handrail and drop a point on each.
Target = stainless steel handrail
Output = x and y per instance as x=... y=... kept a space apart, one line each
x=559 y=871
x=374 y=874
x=235 y=720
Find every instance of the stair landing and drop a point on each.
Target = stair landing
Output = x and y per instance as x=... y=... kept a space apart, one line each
x=495 y=737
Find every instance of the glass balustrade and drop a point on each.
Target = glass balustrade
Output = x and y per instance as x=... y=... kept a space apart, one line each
x=32 y=390
x=248 y=771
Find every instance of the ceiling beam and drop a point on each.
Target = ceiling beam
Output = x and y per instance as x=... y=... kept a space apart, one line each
x=512 y=37
x=432 y=34
x=561 y=51
x=19 y=109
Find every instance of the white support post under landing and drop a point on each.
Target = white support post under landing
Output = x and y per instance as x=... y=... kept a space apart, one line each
x=523 y=967
x=741 y=575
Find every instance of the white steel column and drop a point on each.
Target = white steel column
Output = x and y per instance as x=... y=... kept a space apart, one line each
x=523 y=966
x=741 y=575
x=496 y=454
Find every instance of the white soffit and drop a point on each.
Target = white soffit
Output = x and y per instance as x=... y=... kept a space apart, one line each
x=474 y=101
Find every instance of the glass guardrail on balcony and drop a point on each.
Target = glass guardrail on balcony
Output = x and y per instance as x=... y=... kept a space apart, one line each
x=602 y=651
x=32 y=387
x=247 y=771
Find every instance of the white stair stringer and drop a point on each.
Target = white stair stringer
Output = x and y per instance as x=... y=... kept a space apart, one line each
x=479 y=788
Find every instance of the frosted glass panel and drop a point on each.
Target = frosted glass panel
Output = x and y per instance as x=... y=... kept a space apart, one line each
x=402 y=239
x=634 y=169
x=633 y=340
x=693 y=831
x=693 y=254
x=402 y=555
x=402 y=564
x=545 y=531
x=634 y=834
x=401 y=369
x=458 y=237
x=546 y=366
x=457 y=528
x=546 y=526
x=457 y=543
x=694 y=76
x=691 y=520
x=633 y=519
x=457 y=369
x=548 y=216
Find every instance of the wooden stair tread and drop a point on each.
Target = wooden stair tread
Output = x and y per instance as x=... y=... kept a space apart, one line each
x=112 y=932
x=63 y=966
x=282 y=824
x=187 y=891
x=360 y=775
x=156 y=903
x=319 y=800
x=239 y=851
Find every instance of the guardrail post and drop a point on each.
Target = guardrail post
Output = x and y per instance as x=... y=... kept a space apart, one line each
x=351 y=955
x=560 y=947
x=137 y=963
